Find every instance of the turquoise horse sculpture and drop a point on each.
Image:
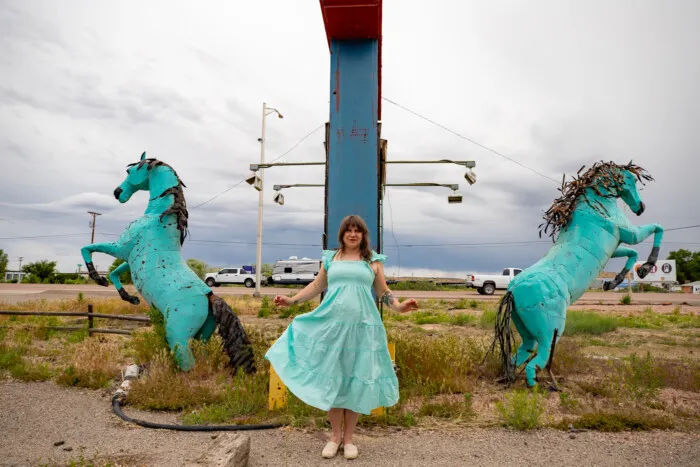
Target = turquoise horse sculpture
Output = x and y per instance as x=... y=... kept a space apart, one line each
x=150 y=247
x=591 y=229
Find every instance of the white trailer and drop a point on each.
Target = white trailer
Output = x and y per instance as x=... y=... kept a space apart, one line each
x=294 y=271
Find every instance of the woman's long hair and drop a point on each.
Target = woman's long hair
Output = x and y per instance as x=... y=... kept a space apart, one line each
x=359 y=224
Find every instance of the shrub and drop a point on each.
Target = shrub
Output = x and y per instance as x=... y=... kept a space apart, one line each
x=522 y=409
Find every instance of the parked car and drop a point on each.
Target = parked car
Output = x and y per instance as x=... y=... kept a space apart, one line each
x=487 y=284
x=294 y=271
x=231 y=276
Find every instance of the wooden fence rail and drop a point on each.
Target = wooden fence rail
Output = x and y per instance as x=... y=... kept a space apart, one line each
x=89 y=315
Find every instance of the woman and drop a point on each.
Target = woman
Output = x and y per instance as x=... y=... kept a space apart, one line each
x=336 y=357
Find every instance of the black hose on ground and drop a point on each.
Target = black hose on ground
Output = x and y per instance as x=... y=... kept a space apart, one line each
x=117 y=408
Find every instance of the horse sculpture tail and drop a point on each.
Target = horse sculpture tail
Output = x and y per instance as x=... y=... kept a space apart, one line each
x=504 y=336
x=235 y=340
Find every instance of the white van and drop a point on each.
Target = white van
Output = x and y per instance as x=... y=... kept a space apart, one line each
x=294 y=271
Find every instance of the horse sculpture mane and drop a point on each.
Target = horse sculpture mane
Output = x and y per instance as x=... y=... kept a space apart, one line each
x=601 y=174
x=179 y=206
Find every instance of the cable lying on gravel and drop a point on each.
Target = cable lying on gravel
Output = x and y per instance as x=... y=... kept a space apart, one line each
x=132 y=372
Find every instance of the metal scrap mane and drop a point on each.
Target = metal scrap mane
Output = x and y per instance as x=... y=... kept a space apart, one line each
x=601 y=174
x=179 y=206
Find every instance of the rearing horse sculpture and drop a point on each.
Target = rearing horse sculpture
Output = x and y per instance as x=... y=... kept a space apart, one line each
x=151 y=249
x=592 y=227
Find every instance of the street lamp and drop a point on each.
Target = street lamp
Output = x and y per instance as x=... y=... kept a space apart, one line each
x=258 y=183
x=279 y=197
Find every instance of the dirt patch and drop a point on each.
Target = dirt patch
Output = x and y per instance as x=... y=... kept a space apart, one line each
x=626 y=341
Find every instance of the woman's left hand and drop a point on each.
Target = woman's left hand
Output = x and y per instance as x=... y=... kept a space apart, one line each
x=408 y=305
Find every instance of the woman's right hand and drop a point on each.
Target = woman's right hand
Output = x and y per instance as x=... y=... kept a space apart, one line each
x=283 y=300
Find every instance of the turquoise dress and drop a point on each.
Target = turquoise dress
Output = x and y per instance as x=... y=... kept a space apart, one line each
x=336 y=356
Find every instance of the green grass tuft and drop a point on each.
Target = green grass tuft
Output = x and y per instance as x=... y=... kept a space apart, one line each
x=618 y=421
x=583 y=322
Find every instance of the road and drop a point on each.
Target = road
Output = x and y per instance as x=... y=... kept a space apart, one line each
x=13 y=293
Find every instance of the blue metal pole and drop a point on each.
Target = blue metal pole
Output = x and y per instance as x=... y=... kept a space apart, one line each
x=353 y=166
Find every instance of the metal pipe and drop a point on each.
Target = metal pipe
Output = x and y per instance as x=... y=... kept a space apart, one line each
x=296 y=185
x=452 y=186
x=468 y=164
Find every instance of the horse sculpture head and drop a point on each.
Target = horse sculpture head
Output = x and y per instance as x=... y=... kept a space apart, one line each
x=137 y=178
x=602 y=180
x=140 y=176
x=623 y=185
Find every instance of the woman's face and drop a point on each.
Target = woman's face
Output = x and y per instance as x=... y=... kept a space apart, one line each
x=352 y=237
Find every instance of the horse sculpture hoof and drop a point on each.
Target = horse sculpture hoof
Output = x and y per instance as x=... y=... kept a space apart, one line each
x=644 y=270
x=101 y=281
x=129 y=298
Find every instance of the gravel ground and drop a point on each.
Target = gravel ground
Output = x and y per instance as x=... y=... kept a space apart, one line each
x=36 y=416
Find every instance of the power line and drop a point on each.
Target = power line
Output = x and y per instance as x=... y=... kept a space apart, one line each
x=41 y=236
x=682 y=228
x=471 y=140
x=214 y=197
x=42 y=216
x=273 y=160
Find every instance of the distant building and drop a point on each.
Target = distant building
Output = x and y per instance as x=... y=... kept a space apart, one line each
x=14 y=276
x=692 y=287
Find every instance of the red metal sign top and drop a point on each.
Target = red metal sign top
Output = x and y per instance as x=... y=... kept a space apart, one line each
x=352 y=19
x=355 y=19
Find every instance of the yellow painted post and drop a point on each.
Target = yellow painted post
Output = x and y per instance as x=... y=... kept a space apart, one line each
x=278 y=392
x=379 y=411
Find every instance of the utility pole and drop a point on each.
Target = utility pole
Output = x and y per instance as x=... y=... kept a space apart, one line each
x=92 y=224
x=20 y=262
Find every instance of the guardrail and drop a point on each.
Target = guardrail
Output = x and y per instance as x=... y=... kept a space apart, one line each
x=90 y=315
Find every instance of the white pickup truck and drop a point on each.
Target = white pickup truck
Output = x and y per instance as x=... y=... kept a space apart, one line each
x=231 y=276
x=487 y=284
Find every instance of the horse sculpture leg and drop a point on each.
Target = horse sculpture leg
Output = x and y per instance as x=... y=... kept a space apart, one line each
x=632 y=258
x=633 y=235
x=87 y=251
x=114 y=277
x=183 y=321
x=541 y=360
x=528 y=345
x=545 y=322
x=207 y=328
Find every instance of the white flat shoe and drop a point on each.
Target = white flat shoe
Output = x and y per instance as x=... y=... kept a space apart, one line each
x=350 y=451
x=330 y=450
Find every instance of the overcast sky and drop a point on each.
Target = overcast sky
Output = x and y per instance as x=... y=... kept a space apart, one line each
x=86 y=86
